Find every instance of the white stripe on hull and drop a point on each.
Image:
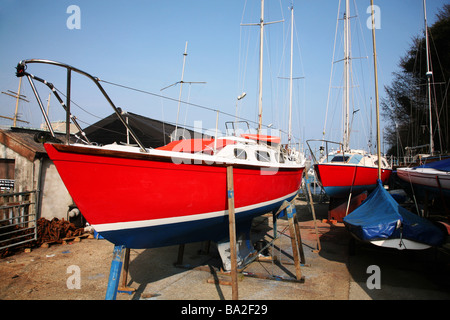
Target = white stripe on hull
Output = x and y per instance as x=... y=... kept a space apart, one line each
x=166 y=221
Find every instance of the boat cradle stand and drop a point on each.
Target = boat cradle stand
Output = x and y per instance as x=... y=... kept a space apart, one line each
x=287 y=209
x=121 y=254
x=120 y=260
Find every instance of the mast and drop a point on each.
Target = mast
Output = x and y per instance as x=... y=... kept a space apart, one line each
x=377 y=100
x=290 y=77
x=181 y=89
x=261 y=58
x=429 y=74
x=261 y=25
x=181 y=82
x=18 y=97
x=346 y=137
x=17 y=103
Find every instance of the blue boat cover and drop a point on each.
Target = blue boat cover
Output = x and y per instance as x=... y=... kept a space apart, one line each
x=443 y=165
x=381 y=217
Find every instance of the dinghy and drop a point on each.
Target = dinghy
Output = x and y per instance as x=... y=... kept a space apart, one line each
x=381 y=221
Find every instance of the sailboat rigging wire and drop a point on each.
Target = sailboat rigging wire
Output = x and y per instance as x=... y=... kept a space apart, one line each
x=442 y=107
x=184 y=102
x=78 y=119
x=71 y=101
x=362 y=93
x=98 y=117
x=169 y=98
x=434 y=87
x=331 y=72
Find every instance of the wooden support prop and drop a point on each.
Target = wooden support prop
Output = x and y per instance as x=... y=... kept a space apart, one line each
x=220 y=280
x=319 y=247
x=275 y=225
x=290 y=210
x=123 y=288
x=298 y=237
x=232 y=226
x=275 y=215
x=284 y=205
x=125 y=267
x=114 y=272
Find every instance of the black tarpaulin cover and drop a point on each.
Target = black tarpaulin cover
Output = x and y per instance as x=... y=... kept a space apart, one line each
x=151 y=132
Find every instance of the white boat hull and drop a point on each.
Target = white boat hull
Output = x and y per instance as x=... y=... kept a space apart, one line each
x=400 y=244
x=432 y=179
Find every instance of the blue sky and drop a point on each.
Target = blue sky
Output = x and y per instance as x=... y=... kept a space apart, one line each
x=140 y=44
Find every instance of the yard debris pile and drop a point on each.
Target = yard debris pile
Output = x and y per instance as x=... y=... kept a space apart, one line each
x=48 y=231
x=56 y=230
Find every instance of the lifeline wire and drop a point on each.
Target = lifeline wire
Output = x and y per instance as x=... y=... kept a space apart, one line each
x=177 y=100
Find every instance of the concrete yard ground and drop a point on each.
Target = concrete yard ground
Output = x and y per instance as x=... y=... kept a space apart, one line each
x=330 y=274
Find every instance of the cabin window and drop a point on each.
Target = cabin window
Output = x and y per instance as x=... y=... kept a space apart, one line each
x=240 y=154
x=280 y=157
x=263 y=156
x=340 y=158
x=355 y=159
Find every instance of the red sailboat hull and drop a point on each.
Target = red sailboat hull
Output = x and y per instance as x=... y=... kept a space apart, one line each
x=144 y=200
x=339 y=180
